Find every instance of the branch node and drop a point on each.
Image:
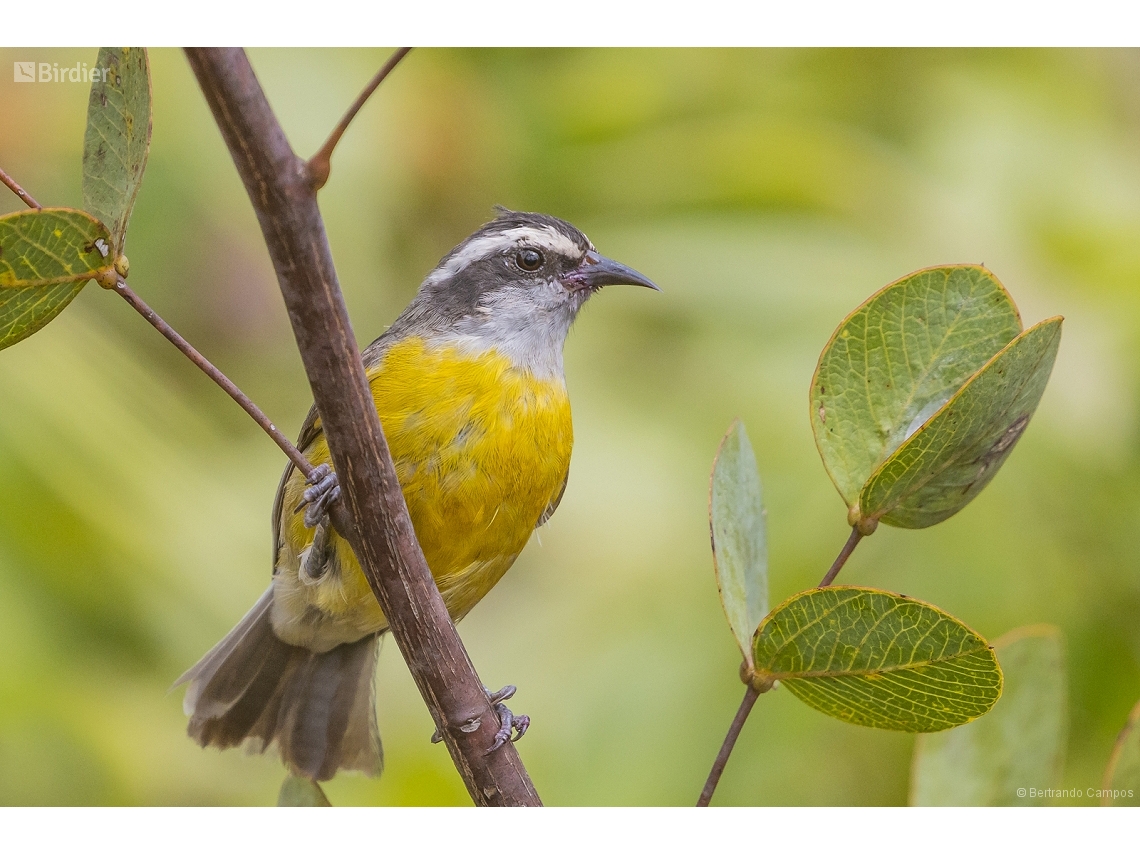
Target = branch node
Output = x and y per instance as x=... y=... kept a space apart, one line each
x=471 y=725
x=320 y=164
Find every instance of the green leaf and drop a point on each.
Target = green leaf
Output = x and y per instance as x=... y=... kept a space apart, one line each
x=117 y=140
x=301 y=792
x=897 y=359
x=947 y=462
x=739 y=538
x=24 y=311
x=1018 y=747
x=51 y=246
x=46 y=257
x=1122 y=777
x=877 y=659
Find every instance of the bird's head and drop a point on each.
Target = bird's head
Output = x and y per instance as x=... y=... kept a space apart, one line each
x=516 y=285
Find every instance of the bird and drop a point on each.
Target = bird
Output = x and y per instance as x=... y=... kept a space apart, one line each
x=470 y=390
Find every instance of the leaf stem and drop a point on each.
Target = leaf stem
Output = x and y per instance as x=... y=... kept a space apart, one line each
x=841 y=559
x=10 y=182
x=243 y=401
x=320 y=164
x=750 y=696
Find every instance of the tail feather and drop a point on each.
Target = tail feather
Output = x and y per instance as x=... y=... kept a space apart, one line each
x=318 y=725
x=319 y=708
x=362 y=731
x=241 y=650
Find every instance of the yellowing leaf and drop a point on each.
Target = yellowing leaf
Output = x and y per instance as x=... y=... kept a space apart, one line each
x=51 y=246
x=1012 y=755
x=877 y=659
x=46 y=257
x=739 y=538
x=23 y=311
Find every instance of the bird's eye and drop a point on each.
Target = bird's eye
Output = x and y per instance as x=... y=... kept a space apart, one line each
x=529 y=259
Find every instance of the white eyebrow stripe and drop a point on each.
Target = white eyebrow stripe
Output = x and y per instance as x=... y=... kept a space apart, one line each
x=544 y=237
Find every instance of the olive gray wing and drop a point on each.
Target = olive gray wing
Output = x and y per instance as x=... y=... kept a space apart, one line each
x=310 y=430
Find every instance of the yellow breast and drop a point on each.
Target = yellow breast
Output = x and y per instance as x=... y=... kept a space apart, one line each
x=481 y=449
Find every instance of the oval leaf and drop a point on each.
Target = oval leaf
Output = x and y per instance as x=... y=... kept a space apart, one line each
x=898 y=358
x=301 y=792
x=877 y=659
x=739 y=537
x=23 y=311
x=50 y=246
x=46 y=257
x=1122 y=777
x=946 y=463
x=117 y=140
x=1020 y=745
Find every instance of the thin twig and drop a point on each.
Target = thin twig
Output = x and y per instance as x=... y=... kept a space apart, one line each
x=372 y=514
x=841 y=559
x=18 y=190
x=320 y=164
x=750 y=696
x=136 y=302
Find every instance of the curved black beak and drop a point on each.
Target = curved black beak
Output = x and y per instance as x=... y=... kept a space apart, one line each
x=597 y=270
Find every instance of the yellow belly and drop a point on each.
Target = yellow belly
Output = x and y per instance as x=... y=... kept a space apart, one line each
x=481 y=449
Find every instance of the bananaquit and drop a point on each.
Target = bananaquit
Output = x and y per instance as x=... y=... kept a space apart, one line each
x=469 y=387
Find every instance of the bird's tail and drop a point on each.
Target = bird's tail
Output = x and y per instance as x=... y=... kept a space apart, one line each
x=319 y=707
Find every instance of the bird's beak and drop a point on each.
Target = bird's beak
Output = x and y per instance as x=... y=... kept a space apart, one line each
x=597 y=270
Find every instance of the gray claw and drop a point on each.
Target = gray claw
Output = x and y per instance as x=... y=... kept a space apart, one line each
x=504 y=694
x=508 y=721
x=324 y=489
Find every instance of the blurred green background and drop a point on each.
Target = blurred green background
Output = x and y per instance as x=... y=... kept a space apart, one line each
x=768 y=192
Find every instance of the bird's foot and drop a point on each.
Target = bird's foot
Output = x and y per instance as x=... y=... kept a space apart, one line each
x=508 y=721
x=315 y=560
x=324 y=489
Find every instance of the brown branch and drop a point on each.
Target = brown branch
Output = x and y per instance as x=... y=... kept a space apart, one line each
x=841 y=559
x=373 y=516
x=750 y=696
x=18 y=190
x=320 y=164
x=136 y=302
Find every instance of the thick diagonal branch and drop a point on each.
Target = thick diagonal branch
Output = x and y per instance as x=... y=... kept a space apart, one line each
x=373 y=516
